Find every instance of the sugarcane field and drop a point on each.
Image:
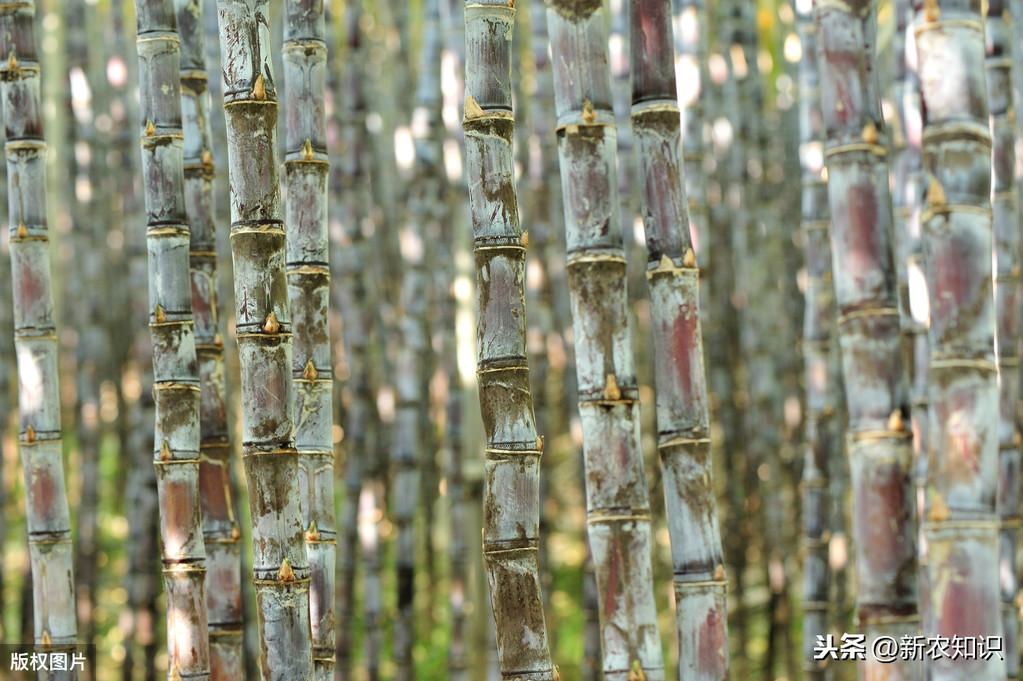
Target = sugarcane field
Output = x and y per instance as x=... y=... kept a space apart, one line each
x=511 y=340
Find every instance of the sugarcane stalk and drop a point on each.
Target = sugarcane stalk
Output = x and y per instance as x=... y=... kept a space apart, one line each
x=960 y=527
x=35 y=335
x=683 y=422
x=618 y=508
x=820 y=355
x=306 y=170
x=866 y=296
x=176 y=387
x=220 y=528
x=690 y=23
x=1008 y=298
x=513 y=449
x=263 y=324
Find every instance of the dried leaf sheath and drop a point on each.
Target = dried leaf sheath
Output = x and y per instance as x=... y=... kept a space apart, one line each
x=35 y=334
x=866 y=296
x=513 y=449
x=820 y=355
x=306 y=171
x=683 y=426
x=618 y=509
x=961 y=526
x=1008 y=298
x=263 y=324
x=220 y=528
x=175 y=366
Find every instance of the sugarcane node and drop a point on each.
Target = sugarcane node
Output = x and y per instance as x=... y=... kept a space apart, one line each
x=611 y=390
x=271 y=325
x=309 y=373
x=165 y=451
x=286 y=574
x=936 y=193
x=307 y=150
x=259 y=88
x=22 y=230
x=159 y=315
x=30 y=434
x=313 y=533
x=589 y=115
x=472 y=108
x=689 y=259
x=895 y=421
x=150 y=128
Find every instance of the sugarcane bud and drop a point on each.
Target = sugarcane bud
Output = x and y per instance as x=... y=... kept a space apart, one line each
x=557 y=674
x=159 y=315
x=896 y=422
x=307 y=150
x=936 y=193
x=539 y=443
x=286 y=574
x=689 y=259
x=719 y=572
x=931 y=10
x=524 y=239
x=313 y=533
x=12 y=61
x=472 y=108
x=236 y=533
x=271 y=325
x=150 y=128
x=22 y=231
x=45 y=639
x=636 y=673
x=30 y=433
x=165 y=451
x=207 y=157
x=1017 y=439
x=175 y=674
x=938 y=509
x=218 y=341
x=589 y=115
x=611 y=390
x=259 y=88
x=309 y=373
x=870 y=134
